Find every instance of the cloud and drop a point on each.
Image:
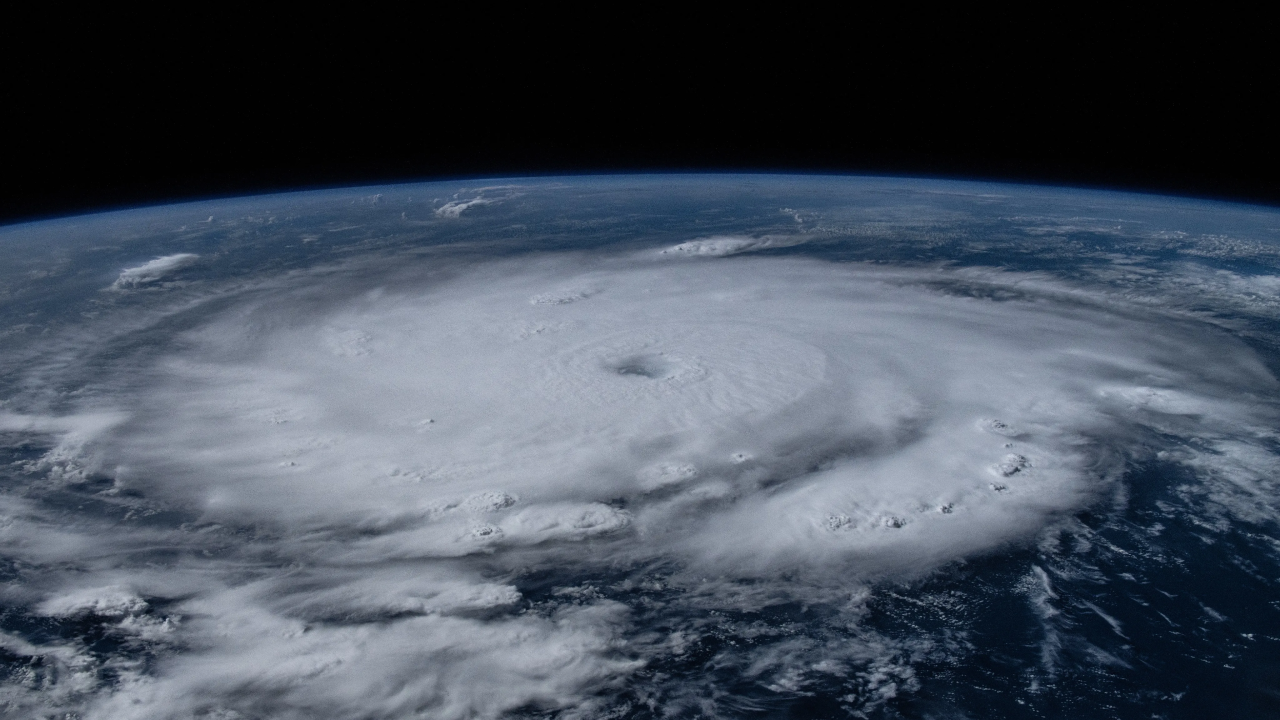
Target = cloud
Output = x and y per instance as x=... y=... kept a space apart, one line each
x=112 y=601
x=480 y=491
x=724 y=245
x=153 y=271
x=444 y=666
x=455 y=207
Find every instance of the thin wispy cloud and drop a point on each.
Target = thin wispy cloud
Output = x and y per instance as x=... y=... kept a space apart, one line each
x=153 y=271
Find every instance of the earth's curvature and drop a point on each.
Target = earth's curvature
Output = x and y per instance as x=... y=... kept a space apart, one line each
x=643 y=447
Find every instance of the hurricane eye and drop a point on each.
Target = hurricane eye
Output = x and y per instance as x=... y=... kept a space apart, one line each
x=654 y=367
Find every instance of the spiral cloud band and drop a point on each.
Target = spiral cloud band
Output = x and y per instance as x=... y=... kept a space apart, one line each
x=452 y=489
x=739 y=413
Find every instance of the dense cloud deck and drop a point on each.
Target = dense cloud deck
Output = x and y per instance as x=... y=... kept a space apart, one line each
x=713 y=447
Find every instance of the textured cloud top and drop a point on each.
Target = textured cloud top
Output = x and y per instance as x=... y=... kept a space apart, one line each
x=752 y=415
x=478 y=488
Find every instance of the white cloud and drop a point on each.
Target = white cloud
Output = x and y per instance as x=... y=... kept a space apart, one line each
x=444 y=667
x=455 y=207
x=114 y=601
x=153 y=270
x=723 y=245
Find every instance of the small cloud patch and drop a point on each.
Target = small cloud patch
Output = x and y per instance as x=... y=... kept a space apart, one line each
x=153 y=271
x=723 y=245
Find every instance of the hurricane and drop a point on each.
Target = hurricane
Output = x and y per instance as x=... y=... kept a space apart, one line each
x=450 y=455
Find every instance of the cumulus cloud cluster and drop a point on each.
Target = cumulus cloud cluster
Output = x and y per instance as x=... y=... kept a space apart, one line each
x=449 y=493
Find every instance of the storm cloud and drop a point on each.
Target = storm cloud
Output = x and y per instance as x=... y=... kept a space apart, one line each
x=451 y=488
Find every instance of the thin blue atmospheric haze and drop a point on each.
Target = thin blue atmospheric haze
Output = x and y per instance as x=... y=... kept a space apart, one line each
x=643 y=447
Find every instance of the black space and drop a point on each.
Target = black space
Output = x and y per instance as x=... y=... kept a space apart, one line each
x=127 y=124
